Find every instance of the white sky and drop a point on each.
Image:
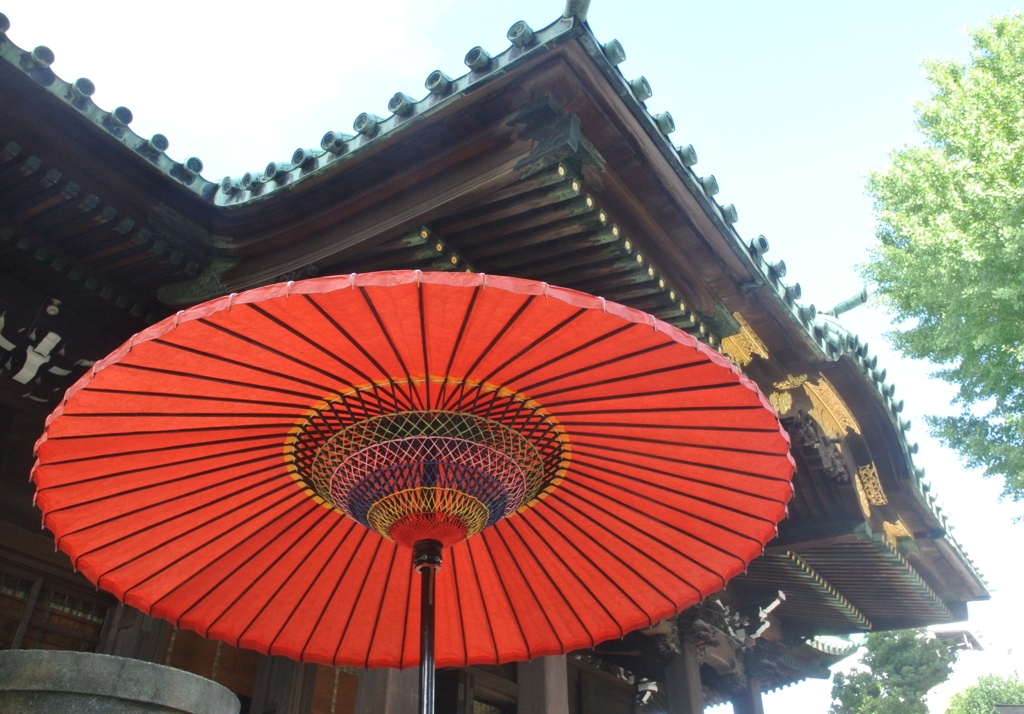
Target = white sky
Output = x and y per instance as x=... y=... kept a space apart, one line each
x=788 y=104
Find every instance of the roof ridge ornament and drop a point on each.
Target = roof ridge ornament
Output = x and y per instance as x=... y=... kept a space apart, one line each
x=849 y=303
x=577 y=9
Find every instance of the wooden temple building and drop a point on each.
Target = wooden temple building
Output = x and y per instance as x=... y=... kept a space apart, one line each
x=541 y=161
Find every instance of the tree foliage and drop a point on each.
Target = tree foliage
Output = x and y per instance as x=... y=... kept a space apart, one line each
x=901 y=667
x=982 y=697
x=950 y=258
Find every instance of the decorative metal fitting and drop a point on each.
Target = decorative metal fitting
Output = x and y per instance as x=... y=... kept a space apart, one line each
x=710 y=185
x=42 y=57
x=302 y=157
x=758 y=246
x=159 y=143
x=251 y=179
x=614 y=52
x=426 y=554
x=665 y=122
x=729 y=214
x=520 y=34
x=82 y=89
x=438 y=82
x=80 y=92
x=401 y=104
x=230 y=186
x=641 y=89
x=687 y=154
x=777 y=269
x=477 y=59
x=334 y=141
x=366 y=124
x=121 y=116
x=277 y=170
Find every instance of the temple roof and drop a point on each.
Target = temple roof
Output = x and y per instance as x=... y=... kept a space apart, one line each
x=560 y=207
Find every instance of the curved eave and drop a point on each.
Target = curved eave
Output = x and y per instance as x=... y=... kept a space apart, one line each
x=82 y=123
x=104 y=123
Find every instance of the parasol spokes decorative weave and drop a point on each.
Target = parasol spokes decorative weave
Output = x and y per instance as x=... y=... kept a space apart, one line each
x=441 y=474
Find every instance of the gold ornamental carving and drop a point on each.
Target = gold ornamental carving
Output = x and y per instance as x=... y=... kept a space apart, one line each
x=829 y=409
x=869 y=489
x=865 y=505
x=791 y=382
x=897 y=530
x=869 y=481
x=782 y=401
x=742 y=346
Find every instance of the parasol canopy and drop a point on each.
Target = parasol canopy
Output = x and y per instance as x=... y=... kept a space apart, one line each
x=256 y=469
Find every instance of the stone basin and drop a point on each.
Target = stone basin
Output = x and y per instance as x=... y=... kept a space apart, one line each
x=49 y=681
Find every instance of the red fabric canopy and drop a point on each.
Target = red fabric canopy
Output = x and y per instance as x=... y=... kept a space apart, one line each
x=172 y=473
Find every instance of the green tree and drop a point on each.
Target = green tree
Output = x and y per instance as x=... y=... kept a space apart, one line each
x=901 y=667
x=982 y=697
x=949 y=263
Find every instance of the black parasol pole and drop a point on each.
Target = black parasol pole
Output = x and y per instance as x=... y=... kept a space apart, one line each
x=426 y=558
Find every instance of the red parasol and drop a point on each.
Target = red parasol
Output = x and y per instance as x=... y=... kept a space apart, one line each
x=255 y=469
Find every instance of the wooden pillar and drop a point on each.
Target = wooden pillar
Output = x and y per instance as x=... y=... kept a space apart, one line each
x=543 y=686
x=388 y=691
x=748 y=701
x=128 y=632
x=283 y=686
x=682 y=682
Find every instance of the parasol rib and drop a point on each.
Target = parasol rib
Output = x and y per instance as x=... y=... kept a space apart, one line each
x=363 y=533
x=705 y=501
x=319 y=388
x=514 y=379
x=287 y=580
x=614 y=556
x=213 y=564
x=682 y=554
x=130 y=472
x=324 y=513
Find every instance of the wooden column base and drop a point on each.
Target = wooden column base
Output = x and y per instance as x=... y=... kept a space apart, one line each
x=543 y=686
x=682 y=683
x=283 y=685
x=388 y=691
x=749 y=700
